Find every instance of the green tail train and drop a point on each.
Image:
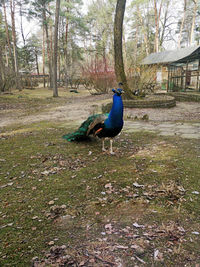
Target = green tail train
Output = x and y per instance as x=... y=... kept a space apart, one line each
x=81 y=133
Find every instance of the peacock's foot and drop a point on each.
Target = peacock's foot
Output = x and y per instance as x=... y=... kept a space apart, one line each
x=112 y=153
x=103 y=149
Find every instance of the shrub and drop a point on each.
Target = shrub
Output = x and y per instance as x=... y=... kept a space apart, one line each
x=7 y=81
x=143 y=81
x=98 y=77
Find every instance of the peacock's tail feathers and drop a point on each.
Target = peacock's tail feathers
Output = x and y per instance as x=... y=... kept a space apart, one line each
x=96 y=121
x=76 y=136
x=82 y=132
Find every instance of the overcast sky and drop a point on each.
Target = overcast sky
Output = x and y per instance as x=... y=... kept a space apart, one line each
x=34 y=26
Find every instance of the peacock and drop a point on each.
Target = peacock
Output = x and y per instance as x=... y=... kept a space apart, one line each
x=102 y=125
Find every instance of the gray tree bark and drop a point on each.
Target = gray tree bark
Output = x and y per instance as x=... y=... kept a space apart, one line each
x=7 y=35
x=55 y=53
x=14 y=39
x=182 y=24
x=48 y=47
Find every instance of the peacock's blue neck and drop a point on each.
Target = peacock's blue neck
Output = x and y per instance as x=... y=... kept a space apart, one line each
x=115 y=117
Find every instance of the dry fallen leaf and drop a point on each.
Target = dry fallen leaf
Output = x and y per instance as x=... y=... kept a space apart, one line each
x=138 y=225
x=121 y=247
x=138 y=185
x=158 y=256
x=195 y=233
x=81 y=263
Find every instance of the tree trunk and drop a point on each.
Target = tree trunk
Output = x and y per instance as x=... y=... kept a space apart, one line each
x=157 y=20
x=193 y=21
x=36 y=62
x=65 y=45
x=144 y=32
x=182 y=24
x=7 y=59
x=59 y=56
x=7 y=36
x=105 y=60
x=12 y=10
x=43 y=57
x=55 y=54
x=164 y=24
x=124 y=52
x=48 y=47
x=2 y=72
x=118 y=29
x=21 y=24
x=156 y=25
x=51 y=43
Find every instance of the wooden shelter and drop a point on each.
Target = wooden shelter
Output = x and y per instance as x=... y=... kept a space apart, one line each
x=178 y=69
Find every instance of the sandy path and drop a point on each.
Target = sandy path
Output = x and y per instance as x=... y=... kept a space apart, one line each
x=77 y=109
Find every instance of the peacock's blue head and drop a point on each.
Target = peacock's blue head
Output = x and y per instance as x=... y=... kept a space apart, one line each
x=117 y=91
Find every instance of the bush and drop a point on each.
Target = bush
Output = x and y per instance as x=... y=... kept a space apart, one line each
x=144 y=81
x=99 y=78
x=7 y=81
x=29 y=82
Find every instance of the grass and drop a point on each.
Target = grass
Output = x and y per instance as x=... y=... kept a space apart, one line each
x=43 y=93
x=28 y=101
x=138 y=207
x=37 y=166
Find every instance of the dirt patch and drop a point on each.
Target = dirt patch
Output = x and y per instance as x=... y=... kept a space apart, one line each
x=78 y=108
x=75 y=109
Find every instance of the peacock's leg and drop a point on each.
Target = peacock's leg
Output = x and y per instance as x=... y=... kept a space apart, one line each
x=103 y=145
x=111 y=147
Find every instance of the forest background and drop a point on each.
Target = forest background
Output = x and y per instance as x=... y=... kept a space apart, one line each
x=76 y=39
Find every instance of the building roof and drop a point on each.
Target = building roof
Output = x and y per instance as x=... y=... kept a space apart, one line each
x=180 y=56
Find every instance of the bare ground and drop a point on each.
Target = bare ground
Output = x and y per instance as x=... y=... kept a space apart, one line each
x=74 y=109
x=79 y=108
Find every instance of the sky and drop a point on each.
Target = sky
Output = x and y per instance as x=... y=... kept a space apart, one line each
x=34 y=25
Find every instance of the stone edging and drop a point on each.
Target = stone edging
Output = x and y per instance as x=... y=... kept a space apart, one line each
x=168 y=102
x=181 y=96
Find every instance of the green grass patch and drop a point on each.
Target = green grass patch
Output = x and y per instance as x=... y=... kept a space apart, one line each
x=151 y=180
x=29 y=102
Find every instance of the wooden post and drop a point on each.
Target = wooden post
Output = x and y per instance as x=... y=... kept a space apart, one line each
x=186 y=76
x=172 y=77
x=182 y=75
x=197 y=86
x=168 y=68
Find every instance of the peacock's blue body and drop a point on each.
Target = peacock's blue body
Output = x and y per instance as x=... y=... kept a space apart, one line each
x=102 y=125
